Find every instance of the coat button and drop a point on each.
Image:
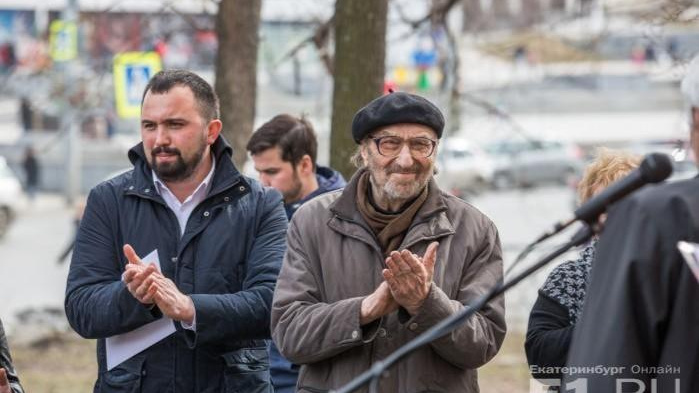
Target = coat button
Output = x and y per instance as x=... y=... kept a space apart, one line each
x=131 y=188
x=206 y=214
x=174 y=259
x=382 y=332
x=412 y=326
x=226 y=199
x=355 y=334
x=241 y=188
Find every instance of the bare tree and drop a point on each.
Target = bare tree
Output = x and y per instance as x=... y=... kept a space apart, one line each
x=360 y=51
x=237 y=24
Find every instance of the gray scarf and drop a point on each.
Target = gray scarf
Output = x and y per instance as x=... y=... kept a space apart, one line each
x=567 y=283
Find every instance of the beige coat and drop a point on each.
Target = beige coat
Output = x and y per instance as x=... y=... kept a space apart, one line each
x=333 y=261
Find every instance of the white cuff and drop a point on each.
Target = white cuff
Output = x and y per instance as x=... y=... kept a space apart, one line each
x=193 y=326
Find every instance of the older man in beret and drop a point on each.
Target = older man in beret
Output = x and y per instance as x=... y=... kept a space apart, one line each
x=370 y=267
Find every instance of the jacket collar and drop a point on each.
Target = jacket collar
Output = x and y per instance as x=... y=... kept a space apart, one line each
x=225 y=176
x=430 y=222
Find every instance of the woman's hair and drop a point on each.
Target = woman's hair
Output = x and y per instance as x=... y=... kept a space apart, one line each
x=607 y=167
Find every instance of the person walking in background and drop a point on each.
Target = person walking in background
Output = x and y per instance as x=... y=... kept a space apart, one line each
x=9 y=382
x=25 y=114
x=31 y=172
x=370 y=267
x=284 y=151
x=560 y=301
x=217 y=241
x=641 y=312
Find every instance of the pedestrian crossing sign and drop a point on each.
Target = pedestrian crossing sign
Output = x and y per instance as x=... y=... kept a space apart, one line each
x=132 y=71
x=63 y=40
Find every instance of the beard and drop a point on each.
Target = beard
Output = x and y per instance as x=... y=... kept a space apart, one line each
x=178 y=170
x=395 y=189
x=294 y=193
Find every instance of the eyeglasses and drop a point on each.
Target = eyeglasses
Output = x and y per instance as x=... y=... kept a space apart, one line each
x=390 y=146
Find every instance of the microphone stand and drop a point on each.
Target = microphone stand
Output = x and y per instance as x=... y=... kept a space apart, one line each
x=373 y=375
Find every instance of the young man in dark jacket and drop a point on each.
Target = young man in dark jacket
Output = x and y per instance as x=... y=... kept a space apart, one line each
x=219 y=241
x=284 y=151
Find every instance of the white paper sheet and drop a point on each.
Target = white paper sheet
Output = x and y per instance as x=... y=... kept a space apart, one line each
x=123 y=346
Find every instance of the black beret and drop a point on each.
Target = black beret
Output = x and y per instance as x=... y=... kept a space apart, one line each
x=395 y=108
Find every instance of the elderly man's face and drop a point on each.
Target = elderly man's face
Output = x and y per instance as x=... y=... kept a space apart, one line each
x=403 y=170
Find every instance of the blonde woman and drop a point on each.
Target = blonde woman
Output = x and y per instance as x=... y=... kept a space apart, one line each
x=561 y=298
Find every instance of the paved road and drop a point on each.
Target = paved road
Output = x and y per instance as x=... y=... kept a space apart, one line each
x=521 y=216
x=31 y=278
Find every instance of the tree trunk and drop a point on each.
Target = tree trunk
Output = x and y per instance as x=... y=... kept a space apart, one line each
x=474 y=18
x=360 y=52
x=237 y=24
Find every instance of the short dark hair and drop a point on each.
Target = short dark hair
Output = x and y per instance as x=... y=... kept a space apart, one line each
x=294 y=136
x=205 y=95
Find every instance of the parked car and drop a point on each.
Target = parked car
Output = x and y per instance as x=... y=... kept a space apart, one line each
x=463 y=167
x=531 y=162
x=10 y=196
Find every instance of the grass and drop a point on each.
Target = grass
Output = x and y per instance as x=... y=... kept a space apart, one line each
x=60 y=363
x=508 y=371
x=65 y=363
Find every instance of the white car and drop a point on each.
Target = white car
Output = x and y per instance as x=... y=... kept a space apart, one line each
x=10 y=196
x=463 y=168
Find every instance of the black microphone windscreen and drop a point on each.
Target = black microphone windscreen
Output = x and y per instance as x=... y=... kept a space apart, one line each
x=656 y=167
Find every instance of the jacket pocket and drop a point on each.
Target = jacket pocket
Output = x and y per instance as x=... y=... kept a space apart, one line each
x=247 y=371
x=124 y=378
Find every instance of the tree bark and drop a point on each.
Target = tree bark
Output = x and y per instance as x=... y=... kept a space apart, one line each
x=237 y=24
x=360 y=52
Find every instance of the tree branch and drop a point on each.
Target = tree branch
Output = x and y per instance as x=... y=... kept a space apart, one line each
x=319 y=39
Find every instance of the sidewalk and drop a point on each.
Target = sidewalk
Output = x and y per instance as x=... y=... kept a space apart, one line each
x=30 y=277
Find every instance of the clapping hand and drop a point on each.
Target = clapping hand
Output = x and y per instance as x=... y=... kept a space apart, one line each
x=409 y=277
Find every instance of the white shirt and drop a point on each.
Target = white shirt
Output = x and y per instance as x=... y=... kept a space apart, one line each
x=184 y=209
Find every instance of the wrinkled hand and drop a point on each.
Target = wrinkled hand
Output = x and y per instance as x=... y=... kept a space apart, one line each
x=136 y=274
x=409 y=277
x=378 y=304
x=4 y=382
x=169 y=299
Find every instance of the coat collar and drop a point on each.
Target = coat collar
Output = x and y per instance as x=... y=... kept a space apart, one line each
x=431 y=221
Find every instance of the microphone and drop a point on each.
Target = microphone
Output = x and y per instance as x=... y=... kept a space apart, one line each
x=654 y=168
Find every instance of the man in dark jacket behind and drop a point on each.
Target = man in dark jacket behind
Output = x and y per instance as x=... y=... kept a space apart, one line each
x=369 y=268
x=219 y=241
x=284 y=151
x=639 y=327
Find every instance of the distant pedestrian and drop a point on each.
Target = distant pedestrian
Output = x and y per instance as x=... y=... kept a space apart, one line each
x=25 y=114
x=649 y=53
x=672 y=48
x=31 y=172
